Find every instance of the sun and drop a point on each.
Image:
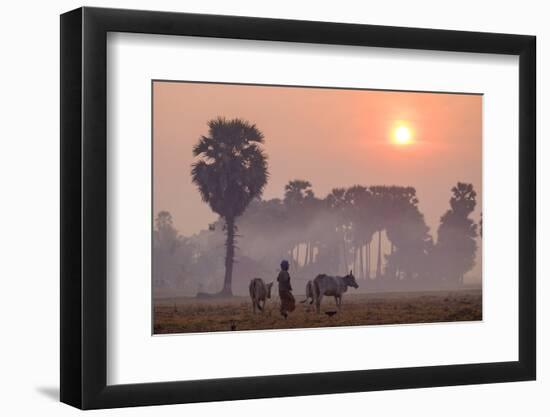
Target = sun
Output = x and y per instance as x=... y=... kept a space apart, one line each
x=402 y=135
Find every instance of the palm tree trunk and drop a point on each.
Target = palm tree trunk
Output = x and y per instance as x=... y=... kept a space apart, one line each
x=379 y=260
x=367 y=260
x=361 y=266
x=345 y=254
x=291 y=258
x=229 y=256
x=391 y=273
x=355 y=259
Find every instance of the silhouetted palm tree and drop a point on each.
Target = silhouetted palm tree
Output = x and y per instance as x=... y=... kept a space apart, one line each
x=380 y=208
x=298 y=198
x=337 y=205
x=409 y=236
x=358 y=200
x=297 y=191
x=231 y=171
x=456 y=244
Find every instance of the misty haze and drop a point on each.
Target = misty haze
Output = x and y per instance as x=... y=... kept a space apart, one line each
x=285 y=207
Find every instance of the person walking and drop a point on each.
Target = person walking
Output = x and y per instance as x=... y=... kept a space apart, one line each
x=288 y=303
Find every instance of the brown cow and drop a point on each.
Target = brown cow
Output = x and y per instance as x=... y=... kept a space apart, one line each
x=259 y=293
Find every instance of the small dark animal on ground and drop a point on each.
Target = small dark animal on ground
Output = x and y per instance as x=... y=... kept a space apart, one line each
x=330 y=313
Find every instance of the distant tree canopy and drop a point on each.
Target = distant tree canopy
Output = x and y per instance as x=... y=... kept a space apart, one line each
x=456 y=237
x=334 y=234
x=173 y=255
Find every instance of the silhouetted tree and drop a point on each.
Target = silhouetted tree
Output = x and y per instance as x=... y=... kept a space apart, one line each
x=167 y=236
x=298 y=198
x=456 y=237
x=165 y=242
x=336 y=231
x=231 y=171
x=297 y=191
x=409 y=235
x=172 y=253
x=380 y=211
x=358 y=210
x=337 y=205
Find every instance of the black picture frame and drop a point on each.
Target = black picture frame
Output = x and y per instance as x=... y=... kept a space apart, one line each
x=84 y=207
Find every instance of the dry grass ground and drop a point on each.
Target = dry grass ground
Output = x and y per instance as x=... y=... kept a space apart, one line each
x=184 y=314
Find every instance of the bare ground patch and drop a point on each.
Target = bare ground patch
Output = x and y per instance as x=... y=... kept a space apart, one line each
x=185 y=315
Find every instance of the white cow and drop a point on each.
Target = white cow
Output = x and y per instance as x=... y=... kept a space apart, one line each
x=332 y=286
x=259 y=293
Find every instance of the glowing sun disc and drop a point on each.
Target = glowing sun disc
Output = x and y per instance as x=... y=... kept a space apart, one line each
x=402 y=135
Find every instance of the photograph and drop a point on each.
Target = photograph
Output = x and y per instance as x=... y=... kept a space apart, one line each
x=281 y=207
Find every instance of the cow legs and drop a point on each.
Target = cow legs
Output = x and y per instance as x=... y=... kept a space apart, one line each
x=318 y=303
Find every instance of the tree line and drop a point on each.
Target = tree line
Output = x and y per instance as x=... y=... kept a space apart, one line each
x=331 y=234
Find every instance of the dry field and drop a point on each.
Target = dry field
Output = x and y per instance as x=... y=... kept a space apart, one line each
x=185 y=314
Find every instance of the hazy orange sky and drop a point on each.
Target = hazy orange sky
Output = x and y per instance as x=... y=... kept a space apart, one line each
x=330 y=137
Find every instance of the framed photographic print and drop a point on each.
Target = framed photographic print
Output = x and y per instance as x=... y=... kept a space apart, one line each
x=257 y=207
